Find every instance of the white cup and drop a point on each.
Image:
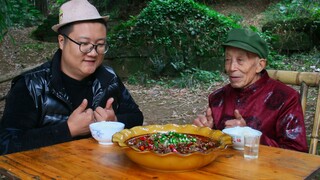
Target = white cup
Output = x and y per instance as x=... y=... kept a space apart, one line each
x=237 y=134
x=103 y=131
x=251 y=145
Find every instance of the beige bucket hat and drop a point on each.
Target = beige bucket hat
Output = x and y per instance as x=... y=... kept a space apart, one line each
x=77 y=10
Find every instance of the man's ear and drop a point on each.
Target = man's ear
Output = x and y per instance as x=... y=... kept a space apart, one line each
x=261 y=65
x=61 y=41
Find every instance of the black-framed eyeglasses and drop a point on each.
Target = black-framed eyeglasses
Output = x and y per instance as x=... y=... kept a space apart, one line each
x=87 y=47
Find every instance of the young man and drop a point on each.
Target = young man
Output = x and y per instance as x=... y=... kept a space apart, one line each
x=57 y=101
x=253 y=99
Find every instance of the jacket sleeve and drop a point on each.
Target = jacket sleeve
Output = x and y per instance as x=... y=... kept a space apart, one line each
x=128 y=111
x=19 y=127
x=290 y=128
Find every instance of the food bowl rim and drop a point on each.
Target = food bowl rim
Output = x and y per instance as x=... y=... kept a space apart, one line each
x=225 y=140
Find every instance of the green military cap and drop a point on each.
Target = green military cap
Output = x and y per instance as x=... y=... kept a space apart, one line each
x=247 y=40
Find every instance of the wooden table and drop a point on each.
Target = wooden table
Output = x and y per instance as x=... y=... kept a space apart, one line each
x=86 y=159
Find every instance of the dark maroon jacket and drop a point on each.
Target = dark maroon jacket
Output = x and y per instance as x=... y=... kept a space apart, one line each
x=268 y=106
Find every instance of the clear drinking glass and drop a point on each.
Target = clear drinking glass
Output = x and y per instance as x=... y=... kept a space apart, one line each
x=251 y=146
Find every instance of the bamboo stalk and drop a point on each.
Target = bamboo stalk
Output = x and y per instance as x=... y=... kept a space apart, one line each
x=305 y=80
x=295 y=77
x=303 y=96
x=316 y=127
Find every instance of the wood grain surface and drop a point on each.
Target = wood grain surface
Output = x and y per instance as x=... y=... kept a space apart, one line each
x=86 y=159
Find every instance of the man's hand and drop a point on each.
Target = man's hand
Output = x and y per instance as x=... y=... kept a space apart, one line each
x=105 y=114
x=238 y=121
x=204 y=120
x=80 y=119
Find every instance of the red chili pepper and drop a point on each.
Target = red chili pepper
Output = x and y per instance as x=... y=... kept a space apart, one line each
x=142 y=148
x=173 y=148
x=190 y=144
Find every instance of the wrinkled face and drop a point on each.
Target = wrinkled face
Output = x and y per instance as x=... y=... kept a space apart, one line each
x=75 y=63
x=242 y=67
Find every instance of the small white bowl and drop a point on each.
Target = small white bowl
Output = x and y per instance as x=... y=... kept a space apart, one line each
x=103 y=131
x=237 y=134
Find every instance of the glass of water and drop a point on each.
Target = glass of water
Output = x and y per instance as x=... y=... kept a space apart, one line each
x=251 y=146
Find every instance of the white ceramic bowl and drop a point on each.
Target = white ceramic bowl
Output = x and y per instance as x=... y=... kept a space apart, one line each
x=104 y=130
x=237 y=134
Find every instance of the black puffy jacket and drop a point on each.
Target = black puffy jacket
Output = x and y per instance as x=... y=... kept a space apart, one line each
x=37 y=106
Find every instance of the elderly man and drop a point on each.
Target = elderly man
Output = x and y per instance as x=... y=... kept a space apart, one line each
x=253 y=99
x=57 y=101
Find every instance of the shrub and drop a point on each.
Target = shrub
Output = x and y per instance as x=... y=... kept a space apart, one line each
x=295 y=24
x=4 y=19
x=291 y=9
x=24 y=14
x=174 y=35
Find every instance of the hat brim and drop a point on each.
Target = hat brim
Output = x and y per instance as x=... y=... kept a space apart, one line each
x=243 y=46
x=57 y=26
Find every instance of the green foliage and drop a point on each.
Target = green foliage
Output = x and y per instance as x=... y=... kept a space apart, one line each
x=175 y=35
x=294 y=15
x=139 y=78
x=17 y=13
x=236 y=17
x=54 y=7
x=4 y=20
x=191 y=78
x=304 y=61
x=293 y=26
x=276 y=61
x=291 y=9
x=196 y=78
x=24 y=14
x=308 y=61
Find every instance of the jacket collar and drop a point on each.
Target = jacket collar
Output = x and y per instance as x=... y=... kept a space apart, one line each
x=56 y=77
x=255 y=86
